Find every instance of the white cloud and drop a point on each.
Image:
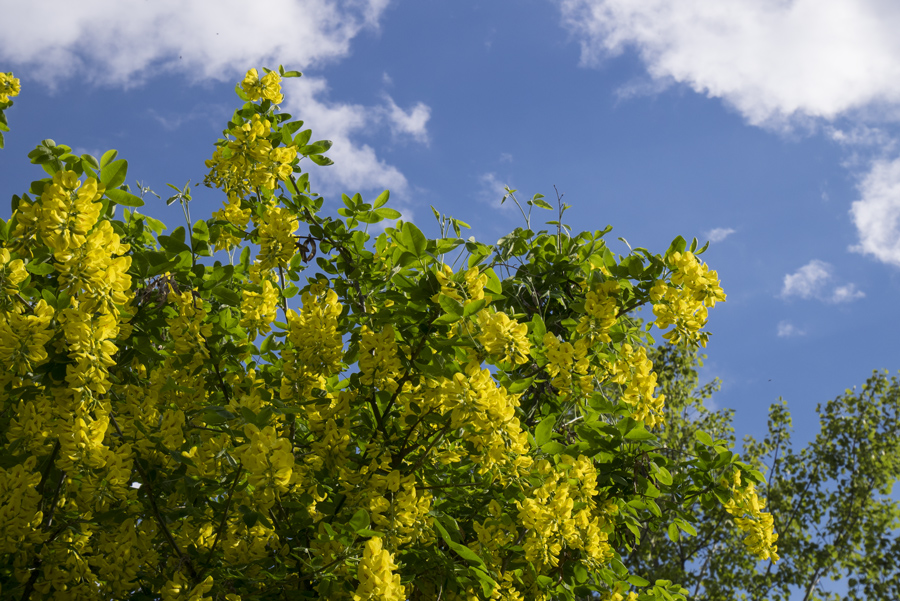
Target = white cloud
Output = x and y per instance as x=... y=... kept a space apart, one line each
x=718 y=234
x=506 y=157
x=808 y=281
x=814 y=281
x=774 y=60
x=356 y=167
x=124 y=43
x=780 y=64
x=789 y=330
x=877 y=213
x=846 y=294
x=412 y=123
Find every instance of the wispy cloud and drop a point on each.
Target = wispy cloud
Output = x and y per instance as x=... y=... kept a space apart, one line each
x=815 y=281
x=789 y=330
x=215 y=115
x=491 y=190
x=718 y=234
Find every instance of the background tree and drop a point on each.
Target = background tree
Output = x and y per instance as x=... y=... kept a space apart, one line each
x=273 y=403
x=831 y=500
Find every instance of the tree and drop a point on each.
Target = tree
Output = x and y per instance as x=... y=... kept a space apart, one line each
x=830 y=501
x=330 y=413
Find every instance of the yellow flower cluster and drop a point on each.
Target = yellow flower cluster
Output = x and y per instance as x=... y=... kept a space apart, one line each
x=684 y=302
x=20 y=505
x=379 y=364
x=567 y=362
x=600 y=310
x=249 y=161
x=67 y=213
x=276 y=238
x=188 y=329
x=258 y=309
x=485 y=413
x=22 y=339
x=377 y=580
x=750 y=516
x=471 y=289
x=233 y=213
x=396 y=507
x=330 y=425
x=552 y=520
x=268 y=88
x=635 y=370
x=269 y=460
x=9 y=87
x=505 y=340
x=316 y=349
x=96 y=273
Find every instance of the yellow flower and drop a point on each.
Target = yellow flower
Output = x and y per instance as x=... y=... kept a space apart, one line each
x=375 y=573
x=9 y=87
x=503 y=338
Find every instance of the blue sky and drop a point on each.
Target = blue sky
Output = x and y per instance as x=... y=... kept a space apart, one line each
x=769 y=127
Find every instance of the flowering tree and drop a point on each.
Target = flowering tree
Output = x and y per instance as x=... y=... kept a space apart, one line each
x=273 y=403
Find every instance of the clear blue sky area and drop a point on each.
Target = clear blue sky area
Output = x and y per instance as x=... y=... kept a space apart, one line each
x=662 y=120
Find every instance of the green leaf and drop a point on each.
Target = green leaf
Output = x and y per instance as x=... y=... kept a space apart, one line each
x=360 y=520
x=382 y=199
x=663 y=475
x=226 y=295
x=461 y=550
x=172 y=244
x=674 y=535
x=321 y=160
x=541 y=203
x=201 y=230
x=544 y=430
x=538 y=329
x=108 y=157
x=388 y=213
x=126 y=199
x=703 y=437
x=638 y=581
x=520 y=385
x=413 y=239
x=474 y=307
x=450 y=305
x=487 y=583
x=40 y=268
x=639 y=433
x=112 y=175
x=553 y=447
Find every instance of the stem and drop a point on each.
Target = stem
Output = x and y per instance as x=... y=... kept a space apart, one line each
x=284 y=306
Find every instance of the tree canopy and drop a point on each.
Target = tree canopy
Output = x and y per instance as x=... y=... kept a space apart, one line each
x=284 y=401
x=830 y=501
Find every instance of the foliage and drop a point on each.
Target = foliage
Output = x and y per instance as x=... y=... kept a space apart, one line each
x=331 y=413
x=831 y=500
x=9 y=87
